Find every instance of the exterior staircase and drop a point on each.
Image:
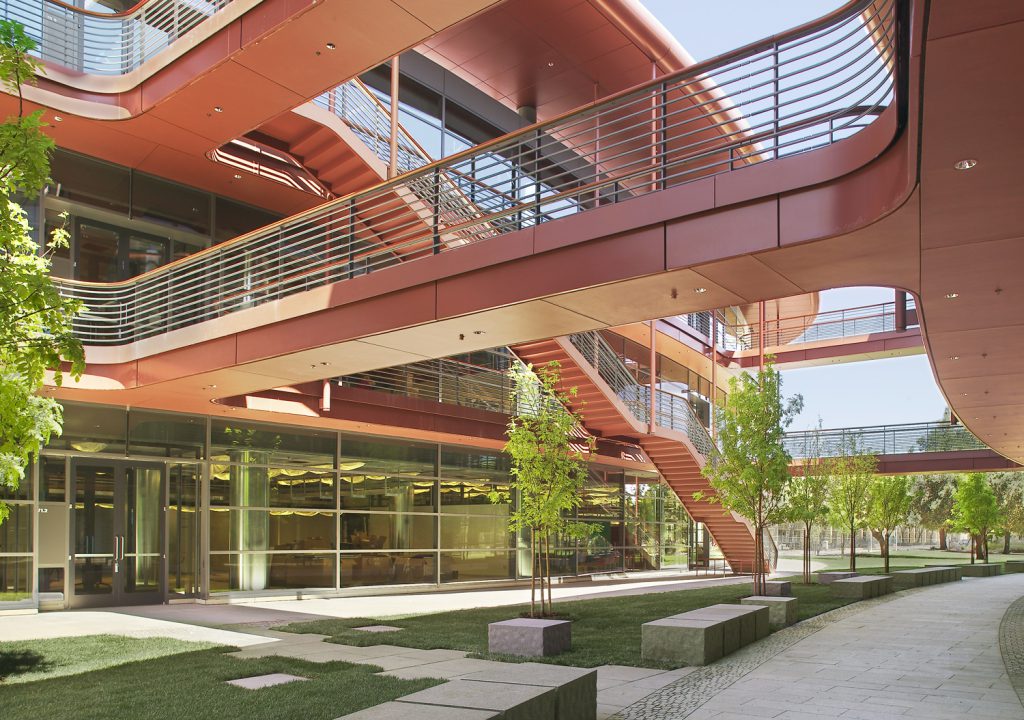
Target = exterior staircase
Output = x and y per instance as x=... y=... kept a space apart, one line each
x=614 y=405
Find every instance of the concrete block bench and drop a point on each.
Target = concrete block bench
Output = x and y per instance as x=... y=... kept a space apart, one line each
x=529 y=637
x=862 y=587
x=782 y=611
x=405 y=711
x=950 y=572
x=827 y=578
x=982 y=570
x=1013 y=566
x=778 y=588
x=920 y=577
x=575 y=688
x=704 y=635
x=508 y=701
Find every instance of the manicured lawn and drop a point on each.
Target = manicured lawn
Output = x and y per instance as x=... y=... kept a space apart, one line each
x=31 y=660
x=910 y=559
x=605 y=630
x=191 y=685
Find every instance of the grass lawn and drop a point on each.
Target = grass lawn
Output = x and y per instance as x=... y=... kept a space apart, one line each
x=192 y=685
x=605 y=630
x=900 y=560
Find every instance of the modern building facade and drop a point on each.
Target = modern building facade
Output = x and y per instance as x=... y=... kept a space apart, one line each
x=312 y=238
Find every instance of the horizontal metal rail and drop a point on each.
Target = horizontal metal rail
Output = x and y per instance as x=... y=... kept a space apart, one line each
x=882 y=440
x=107 y=43
x=829 y=325
x=801 y=90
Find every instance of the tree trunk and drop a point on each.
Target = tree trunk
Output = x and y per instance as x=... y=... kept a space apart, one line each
x=533 y=572
x=884 y=546
x=807 y=554
x=547 y=555
x=1006 y=543
x=853 y=548
x=974 y=544
x=942 y=539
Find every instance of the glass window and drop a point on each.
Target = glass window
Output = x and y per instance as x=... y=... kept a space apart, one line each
x=387 y=568
x=52 y=479
x=92 y=429
x=267 y=445
x=97 y=252
x=166 y=435
x=60 y=260
x=473 y=496
x=15 y=578
x=382 y=492
x=375 y=531
x=469 y=565
x=474 y=464
x=16 y=530
x=301 y=487
x=22 y=492
x=249 y=530
x=475 y=531
x=602 y=496
x=170 y=204
x=81 y=179
x=234 y=219
x=384 y=457
x=259 y=571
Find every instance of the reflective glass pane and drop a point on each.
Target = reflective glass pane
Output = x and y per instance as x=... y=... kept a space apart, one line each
x=82 y=179
x=381 y=492
x=16 y=530
x=477 y=565
x=251 y=530
x=387 y=568
x=268 y=445
x=146 y=253
x=182 y=529
x=475 y=531
x=473 y=496
x=52 y=479
x=370 y=531
x=300 y=487
x=92 y=429
x=97 y=252
x=15 y=578
x=170 y=204
x=94 y=510
x=457 y=463
x=94 y=576
x=383 y=457
x=166 y=435
x=261 y=571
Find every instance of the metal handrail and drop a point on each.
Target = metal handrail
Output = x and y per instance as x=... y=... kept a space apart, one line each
x=829 y=325
x=107 y=44
x=742 y=108
x=939 y=436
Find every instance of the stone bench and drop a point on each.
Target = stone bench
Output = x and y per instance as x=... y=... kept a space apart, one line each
x=778 y=588
x=405 y=711
x=701 y=636
x=509 y=701
x=575 y=688
x=1013 y=566
x=529 y=637
x=827 y=578
x=782 y=611
x=862 y=587
x=982 y=570
x=920 y=577
x=950 y=572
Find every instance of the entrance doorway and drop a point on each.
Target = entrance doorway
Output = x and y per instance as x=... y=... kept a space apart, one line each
x=117 y=534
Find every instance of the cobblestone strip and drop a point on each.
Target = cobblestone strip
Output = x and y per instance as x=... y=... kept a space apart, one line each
x=1011 y=645
x=683 y=697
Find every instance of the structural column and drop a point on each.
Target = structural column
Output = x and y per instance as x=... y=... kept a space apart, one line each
x=393 y=140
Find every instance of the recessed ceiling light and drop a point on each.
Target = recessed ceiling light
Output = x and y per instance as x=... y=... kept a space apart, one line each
x=952 y=295
x=58 y=118
x=965 y=164
x=700 y=290
x=954 y=357
x=479 y=332
x=551 y=63
x=218 y=109
x=331 y=46
x=237 y=176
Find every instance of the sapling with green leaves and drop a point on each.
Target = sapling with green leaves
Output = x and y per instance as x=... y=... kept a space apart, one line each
x=850 y=475
x=888 y=508
x=976 y=510
x=807 y=503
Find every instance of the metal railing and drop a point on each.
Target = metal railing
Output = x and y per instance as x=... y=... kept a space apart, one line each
x=883 y=440
x=671 y=411
x=452 y=380
x=107 y=43
x=800 y=90
x=830 y=325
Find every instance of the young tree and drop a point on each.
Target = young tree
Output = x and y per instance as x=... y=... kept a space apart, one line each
x=750 y=475
x=976 y=510
x=1009 y=490
x=549 y=469
x=889 y=507
x=808 y=493
x=35 y=321
x=933 y=502
x=850 y=476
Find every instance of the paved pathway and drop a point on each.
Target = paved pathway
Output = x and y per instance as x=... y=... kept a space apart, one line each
x=931 y=653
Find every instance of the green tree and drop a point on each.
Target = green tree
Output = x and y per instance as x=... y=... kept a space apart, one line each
x=750 y=475
x=549 y=469
x=933 y=502
x=850 y=475
x=1009 y=490
x=888 y=508
x=976 y=511
x=808 y=495
x=35 y=321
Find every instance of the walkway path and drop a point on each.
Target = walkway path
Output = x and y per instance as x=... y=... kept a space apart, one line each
x=931 y=653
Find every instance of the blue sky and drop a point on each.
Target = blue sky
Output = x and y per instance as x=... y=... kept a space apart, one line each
x=876 y=392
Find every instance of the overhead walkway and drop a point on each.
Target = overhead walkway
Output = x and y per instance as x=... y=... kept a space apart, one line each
x=613 y=405
x=908 y=448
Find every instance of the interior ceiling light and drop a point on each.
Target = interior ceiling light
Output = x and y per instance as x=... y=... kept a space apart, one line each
x=965 y=164
x=237 y=176
x=331 y=46
x=551 y=63
x=218 y=109
x=952 y=295
x=700 y=290
x=954 y=357
x=58 y=118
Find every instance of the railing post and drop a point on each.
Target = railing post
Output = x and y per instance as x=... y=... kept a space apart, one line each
x=653 y=420
x=775 y=98
x=663 y=149
x=437 y=211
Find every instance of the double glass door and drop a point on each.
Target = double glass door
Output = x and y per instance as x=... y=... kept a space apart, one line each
x=117 y=533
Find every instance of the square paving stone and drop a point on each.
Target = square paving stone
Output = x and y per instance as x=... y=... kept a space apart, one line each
x=407 y=711
x=514 y=702
x=258 y=682
x=576 y=687
x=378 y=628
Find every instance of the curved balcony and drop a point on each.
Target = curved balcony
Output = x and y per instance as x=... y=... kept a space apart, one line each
x=814 y=86
x=108 y=43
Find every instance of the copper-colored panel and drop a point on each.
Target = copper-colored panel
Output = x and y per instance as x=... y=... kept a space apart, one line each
x=192 y=360
x=737 y=231
x=196 y=62
x=599 y=261
x=950 y=17
x=437 y=15
x=747 y=277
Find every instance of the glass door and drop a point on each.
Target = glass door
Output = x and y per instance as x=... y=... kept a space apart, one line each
x=117 y=533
